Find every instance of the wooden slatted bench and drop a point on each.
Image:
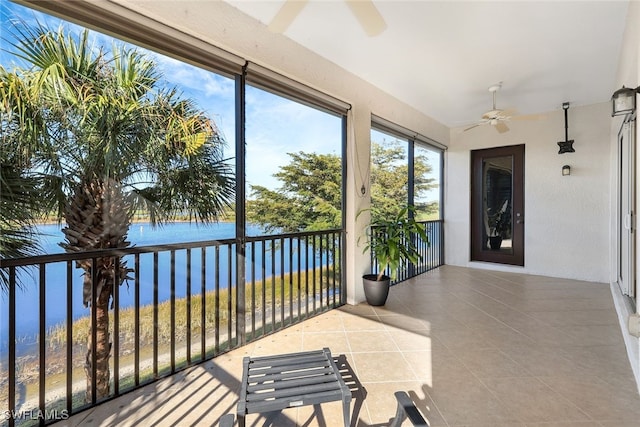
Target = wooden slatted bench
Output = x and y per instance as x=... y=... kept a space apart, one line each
x=273 y=383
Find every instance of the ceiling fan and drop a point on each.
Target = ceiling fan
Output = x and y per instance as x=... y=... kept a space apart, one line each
x=364 y=11
x=495 y=117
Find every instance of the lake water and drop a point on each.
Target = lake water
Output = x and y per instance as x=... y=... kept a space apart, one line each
x=140 y=234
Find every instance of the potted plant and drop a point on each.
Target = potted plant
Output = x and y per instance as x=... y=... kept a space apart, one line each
x=498 y=223
x=393 y=244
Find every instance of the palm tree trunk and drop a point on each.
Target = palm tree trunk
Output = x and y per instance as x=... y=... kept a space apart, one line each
x=98 y=217
x=103 y=345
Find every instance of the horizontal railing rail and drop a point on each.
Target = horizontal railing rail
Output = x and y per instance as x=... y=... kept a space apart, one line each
x=431 y=253
x=179 y=307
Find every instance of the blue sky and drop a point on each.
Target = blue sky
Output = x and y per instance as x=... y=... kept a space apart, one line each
x=275 y=126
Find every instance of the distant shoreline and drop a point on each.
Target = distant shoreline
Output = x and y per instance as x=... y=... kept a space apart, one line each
x=146 y=221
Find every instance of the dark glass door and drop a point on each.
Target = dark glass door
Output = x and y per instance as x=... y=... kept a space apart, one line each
x=497 y=205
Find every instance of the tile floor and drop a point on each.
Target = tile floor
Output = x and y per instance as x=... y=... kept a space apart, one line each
x=471 y=347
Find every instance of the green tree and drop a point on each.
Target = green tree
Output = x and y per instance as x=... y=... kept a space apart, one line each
x=103 y=136
x=310 y=197
x=19 y=203
x=389 y=172
x=310 y=194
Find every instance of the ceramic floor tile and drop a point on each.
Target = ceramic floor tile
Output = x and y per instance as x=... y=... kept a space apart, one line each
x=577 y=317
x=411 y=340
x=473 y=348
x=570 y=424
x=362 y=323
x=462 y=339
x=530 y=400
x=594 y=335
x=323 y=323
x=382 y=367
x=469 y=402
x=403 y=322
x=336 y=341
x=381 y=405
x=595 y=397
x=545 y=361
x=492 y=363
x=370 y=341
x=278 y=343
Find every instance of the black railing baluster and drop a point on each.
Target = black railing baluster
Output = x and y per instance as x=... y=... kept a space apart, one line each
x=306 y=275
x=319 y=264
x=335 y=267
x=188 y=305
x=282 y=305
x=42 y=340
x=116 y=327
x=94 y=332
x=313 y=276
x=230 y=297
x=264 y=286
x=155 y=314
x=322 y=281
x=69 y=321
x=217 y=299
x=203 y=305
x=172 y=315
x=299 y=277
x=136 y=322
x=273 y=285
x=12 y=346
x=253 y=289
x=343 y=257
x=290 y=280
x=432 y=253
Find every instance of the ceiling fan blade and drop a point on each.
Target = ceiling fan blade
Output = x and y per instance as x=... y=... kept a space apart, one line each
x=471 y=127
x=509 y=112
x=285 y=16
x=530 y=117
x=501 y=127
x=368 y=16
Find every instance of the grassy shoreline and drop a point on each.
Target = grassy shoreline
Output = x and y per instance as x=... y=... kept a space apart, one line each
x=276 y=292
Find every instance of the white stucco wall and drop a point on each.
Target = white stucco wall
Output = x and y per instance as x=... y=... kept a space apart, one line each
x=566 y=218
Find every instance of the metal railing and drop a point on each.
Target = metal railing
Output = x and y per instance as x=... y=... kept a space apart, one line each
x=184 y=304
x=431 y=253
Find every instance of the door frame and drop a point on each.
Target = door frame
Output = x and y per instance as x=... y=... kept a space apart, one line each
x=626 y=208
x=479 y=252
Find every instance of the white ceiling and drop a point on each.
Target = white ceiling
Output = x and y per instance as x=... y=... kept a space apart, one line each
x=441 y=56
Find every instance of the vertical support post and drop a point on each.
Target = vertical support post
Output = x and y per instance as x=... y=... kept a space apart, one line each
x=411 y=196
x=240 y=207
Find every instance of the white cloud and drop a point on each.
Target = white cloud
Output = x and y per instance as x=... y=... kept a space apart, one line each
x=275 y=125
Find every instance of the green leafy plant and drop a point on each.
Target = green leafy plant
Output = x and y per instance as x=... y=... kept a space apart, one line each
x=499 y=221
x=392 y=240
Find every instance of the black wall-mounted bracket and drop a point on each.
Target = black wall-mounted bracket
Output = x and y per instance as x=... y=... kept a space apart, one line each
x=566 y=146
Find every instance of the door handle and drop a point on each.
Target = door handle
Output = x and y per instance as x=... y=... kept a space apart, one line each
x=628 y=222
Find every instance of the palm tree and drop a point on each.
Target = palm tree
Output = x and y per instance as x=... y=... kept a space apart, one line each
x=18 y=210
x=104 y=138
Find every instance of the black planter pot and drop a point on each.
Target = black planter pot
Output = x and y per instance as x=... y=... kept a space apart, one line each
x=495 y=242
x=376 y=291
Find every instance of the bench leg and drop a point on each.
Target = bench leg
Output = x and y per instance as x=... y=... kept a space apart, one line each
x=346 y=413
x=240 y=420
